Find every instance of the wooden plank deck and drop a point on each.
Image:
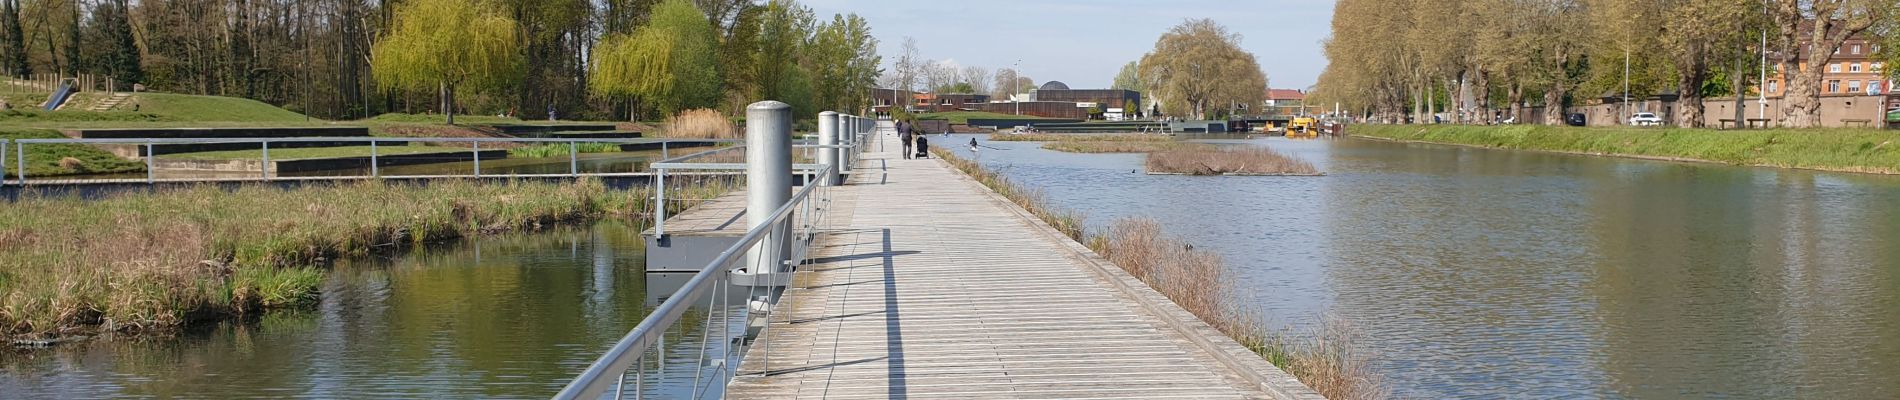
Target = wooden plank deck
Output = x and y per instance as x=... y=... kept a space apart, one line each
x=935 y=287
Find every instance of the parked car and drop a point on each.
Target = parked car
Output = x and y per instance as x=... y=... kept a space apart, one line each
x=1645 y=119
x=1575 y=120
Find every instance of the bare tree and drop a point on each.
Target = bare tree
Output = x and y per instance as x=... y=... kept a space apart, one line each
x=978 y=78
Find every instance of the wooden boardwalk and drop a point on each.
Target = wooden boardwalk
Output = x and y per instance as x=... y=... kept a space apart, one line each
x=932 y=286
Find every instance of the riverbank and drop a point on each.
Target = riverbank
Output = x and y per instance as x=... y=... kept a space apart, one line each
x=1840 y=150
x=156 y=262
x=1200 y=282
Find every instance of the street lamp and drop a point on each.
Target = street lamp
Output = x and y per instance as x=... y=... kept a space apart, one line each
x=1014 y=82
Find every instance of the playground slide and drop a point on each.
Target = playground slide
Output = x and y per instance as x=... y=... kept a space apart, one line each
x=60 y=96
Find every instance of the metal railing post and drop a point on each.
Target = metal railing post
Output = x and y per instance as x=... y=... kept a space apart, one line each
x=768 y=159
x=266 y=158
x=659 y=203
x=574 y=159
x=828 y=136
x=19 y=159
x=151 y=167
x=475 y=150
x=375 y=168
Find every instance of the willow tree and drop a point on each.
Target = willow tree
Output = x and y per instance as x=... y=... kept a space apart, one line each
x=670 y=64
x=1199 y=65
x=447 y=45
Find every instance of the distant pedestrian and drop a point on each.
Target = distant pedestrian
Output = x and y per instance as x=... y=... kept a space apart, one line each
x=973 y=145
x=903 y=134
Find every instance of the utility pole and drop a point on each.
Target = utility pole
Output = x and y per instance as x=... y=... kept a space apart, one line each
x=1626 y=84
x=1763 y=100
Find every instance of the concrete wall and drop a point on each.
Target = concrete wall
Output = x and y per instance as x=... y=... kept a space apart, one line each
x=1835 y=111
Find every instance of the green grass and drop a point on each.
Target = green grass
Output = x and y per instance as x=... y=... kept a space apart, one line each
x=963 y=117
x=159 y=110
x=155 y=261
x=59 y=159
x=561 y=149
x=314 y=152
x=1847 y=150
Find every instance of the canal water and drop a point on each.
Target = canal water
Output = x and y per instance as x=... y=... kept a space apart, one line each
x=1507 y=274
x=514 y=316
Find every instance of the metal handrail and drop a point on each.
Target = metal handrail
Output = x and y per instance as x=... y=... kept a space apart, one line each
x=610 y=370
x=19 y=150
x=374 y=139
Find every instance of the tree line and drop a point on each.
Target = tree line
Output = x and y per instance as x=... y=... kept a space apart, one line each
x=1481 y=58
x=910 y=73
x=344 y=59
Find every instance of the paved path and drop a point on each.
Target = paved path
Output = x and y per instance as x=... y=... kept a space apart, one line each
x=935 y=287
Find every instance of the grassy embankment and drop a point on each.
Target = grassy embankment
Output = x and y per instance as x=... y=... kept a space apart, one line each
x=964 y=117
x=1844 y=150
x=1169 y=156
x=1328 y=360
x=154 y=262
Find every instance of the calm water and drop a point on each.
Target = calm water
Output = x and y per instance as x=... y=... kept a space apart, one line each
x=504 y=317
x=1490 y=273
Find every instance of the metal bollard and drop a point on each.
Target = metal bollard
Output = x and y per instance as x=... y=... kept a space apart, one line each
x=768 y=156
x=828 y=136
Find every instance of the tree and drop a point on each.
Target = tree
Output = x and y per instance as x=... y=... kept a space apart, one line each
x=1130 y=79
x=1198 y=67
x=1802 y=34
x=449 y=45
x=13 y=41
x=785 y=27
x=1007 y=83
x=906 y=68
x=977 y=78
x=669 y=63
x=114 y=25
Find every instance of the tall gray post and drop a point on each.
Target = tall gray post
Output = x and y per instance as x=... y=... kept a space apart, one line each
x=849 y=136
x=828 y=136
x=768 y=158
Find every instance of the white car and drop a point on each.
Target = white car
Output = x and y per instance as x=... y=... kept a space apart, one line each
x=1645 y=119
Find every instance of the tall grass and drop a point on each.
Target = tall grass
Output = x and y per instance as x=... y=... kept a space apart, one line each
x=1076 y=137
x=1247 y=160
x=700 y=124
x=561 y=149
x=1076 y=146
x=1329 y=360
x=153 y=262
x=1847 y=150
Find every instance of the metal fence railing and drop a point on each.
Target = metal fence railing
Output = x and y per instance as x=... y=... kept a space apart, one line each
x=459 y=157
x=761 y=261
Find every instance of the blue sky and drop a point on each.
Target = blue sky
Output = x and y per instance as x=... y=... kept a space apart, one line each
x=1083 y=43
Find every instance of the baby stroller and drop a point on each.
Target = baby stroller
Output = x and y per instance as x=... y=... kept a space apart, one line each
x=923 y=147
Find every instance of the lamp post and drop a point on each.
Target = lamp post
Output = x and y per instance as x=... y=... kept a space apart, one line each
x=1014 y=83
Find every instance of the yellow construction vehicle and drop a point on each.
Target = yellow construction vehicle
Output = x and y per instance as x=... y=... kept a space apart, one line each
x=1303 y=127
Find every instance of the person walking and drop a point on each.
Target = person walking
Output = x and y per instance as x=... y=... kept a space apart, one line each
x=903 y=134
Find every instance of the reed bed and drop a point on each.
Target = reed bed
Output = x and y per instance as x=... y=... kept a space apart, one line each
x=561 y=149
x=1073 y=146
x=700 y=124
x=1227 y=161
x=1052 y=137
x=154 y=262
x=1329 y=360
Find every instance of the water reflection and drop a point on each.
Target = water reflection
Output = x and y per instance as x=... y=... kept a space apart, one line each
x=508 y=317
x=1478 y=272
